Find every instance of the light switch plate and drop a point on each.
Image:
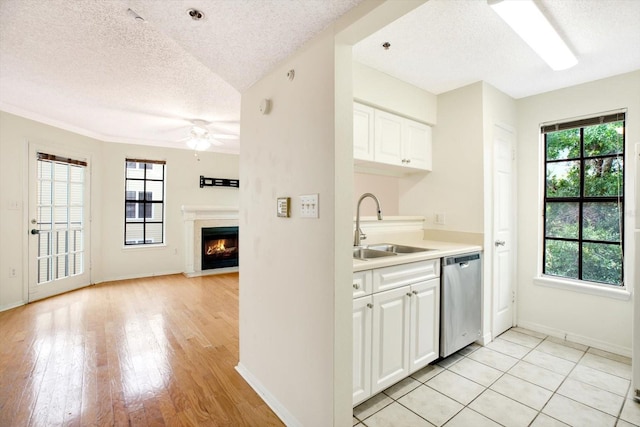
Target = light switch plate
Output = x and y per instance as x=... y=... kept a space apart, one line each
x=284 y=204
x=440 y=218
x=309 y=207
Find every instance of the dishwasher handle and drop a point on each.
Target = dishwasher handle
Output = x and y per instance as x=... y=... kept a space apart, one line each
x=463 y=260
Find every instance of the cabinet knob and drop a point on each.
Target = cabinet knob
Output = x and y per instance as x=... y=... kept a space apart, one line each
x=409 y=294
x=356 y=286
x=415 y=292
x=369 y=305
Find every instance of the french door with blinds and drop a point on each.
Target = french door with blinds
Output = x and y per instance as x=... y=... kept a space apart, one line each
x=59 y=218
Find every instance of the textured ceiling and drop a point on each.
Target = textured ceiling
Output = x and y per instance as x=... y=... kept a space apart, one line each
x=447 y=44
x=88 y=66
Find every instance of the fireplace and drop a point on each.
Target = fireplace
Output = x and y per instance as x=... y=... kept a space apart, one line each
x=219 y=247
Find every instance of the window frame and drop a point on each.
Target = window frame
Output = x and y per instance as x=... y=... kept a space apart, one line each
x=144 y=204
x=620 y=291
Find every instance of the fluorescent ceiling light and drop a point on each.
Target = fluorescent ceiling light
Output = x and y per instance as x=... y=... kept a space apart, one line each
x=524 y=17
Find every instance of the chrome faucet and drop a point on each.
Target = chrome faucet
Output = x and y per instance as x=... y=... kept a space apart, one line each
x=359 y=235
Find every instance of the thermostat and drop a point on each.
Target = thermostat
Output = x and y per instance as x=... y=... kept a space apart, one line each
x=283 y=206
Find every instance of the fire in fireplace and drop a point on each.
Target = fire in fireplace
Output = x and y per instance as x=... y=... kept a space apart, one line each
x=219 y=247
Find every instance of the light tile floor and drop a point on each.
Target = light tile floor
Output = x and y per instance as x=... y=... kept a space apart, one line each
x=522 y=378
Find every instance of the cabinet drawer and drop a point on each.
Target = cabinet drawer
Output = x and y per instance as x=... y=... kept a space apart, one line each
x=405 y=274
x=362 y=283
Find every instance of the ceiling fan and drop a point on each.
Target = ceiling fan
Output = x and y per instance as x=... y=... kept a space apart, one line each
x=201 y=138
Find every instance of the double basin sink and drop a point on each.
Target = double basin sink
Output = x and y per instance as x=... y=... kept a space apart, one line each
x=385 y=250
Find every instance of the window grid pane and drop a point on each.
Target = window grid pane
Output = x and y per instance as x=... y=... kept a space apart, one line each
x=584 y=203
x=60 y=219
x=144 y=202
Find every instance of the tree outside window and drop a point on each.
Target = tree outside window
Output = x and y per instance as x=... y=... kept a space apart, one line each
x=584 y=200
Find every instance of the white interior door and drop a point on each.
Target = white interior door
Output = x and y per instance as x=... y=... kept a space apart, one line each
x=59 y=217
x=503 y=231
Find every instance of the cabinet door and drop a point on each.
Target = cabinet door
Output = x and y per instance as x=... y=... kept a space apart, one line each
x=417 y=145
x=388 y=138
x=390 y=349
x=362 y=132
x=425 y=324
x=362 y=310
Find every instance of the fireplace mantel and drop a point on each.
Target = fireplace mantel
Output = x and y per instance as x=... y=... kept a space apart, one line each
x=213 y=215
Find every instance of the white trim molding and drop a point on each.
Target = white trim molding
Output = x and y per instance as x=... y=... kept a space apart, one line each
x=583 y=287
x=226 y=215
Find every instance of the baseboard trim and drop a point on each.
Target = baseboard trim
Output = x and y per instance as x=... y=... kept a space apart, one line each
x=12 y=305
x=485 y=339
x=285 y=416
x=580 y=339
x=212 y=272
x=138 y=276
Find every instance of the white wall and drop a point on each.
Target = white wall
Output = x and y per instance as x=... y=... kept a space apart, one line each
x=455 y=185
x=385 y=189
x=288 y=268
x=380 y=90
x=295 y=299
x=109 y=259
x=594 y=320
x=183 y=170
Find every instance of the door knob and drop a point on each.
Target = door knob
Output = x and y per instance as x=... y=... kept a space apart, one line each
x=500 y=243
x=35 y=231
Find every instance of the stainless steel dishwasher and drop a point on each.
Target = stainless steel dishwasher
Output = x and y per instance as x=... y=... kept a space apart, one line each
x=461 y=302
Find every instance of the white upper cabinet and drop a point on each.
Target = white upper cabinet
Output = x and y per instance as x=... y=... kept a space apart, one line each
x=417 y=147
x=362 y=132
x=388 y=138
x=389 y=142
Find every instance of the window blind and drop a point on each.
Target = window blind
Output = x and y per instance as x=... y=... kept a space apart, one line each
x=590 y=121
x=54 y=158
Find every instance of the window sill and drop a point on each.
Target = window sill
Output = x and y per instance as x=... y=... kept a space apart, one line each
x=583 y=287
x=145 y=247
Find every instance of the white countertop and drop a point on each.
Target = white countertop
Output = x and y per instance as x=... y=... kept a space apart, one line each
x=442 y=249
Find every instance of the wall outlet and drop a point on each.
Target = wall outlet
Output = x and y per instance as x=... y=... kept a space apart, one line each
x=309 y=207
x=440 y=218
x=12 y=272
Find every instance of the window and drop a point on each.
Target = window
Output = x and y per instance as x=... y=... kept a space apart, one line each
x=584 y=199
x=144 y=209
x=144 y=202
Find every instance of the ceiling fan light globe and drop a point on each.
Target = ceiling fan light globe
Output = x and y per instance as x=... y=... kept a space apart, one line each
x=198 y=144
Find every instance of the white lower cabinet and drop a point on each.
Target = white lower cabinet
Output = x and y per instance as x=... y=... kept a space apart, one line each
x=390 y=340
x=424 y=341
x=362 y=311
x=395 y=333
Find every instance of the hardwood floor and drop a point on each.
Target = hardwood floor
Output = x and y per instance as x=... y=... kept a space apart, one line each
x=145 y=352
